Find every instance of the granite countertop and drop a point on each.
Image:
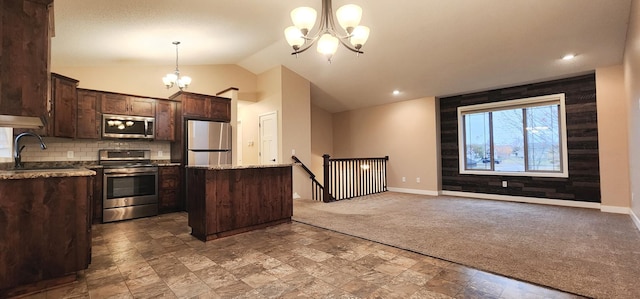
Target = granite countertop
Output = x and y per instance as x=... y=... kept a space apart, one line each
x=44 y=173
x=229 y=166
x=166 y=163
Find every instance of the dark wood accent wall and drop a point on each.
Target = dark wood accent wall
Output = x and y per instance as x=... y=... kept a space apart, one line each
x=583 y=183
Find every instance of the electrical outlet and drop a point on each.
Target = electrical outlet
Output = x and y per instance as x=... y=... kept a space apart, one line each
x=160 y=153
x=504 y=184
x=404 y=179
x=69 y=154
x=418 y=180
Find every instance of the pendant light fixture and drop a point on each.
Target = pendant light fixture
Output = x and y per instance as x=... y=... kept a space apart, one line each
x=327 y=37
x=174 y=78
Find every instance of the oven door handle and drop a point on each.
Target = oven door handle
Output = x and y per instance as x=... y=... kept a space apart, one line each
x=120 y=175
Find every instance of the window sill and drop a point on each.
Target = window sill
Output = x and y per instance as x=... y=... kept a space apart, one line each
x=523 y=174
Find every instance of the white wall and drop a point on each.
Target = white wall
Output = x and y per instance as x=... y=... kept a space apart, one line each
x=632 y=87
x=405 y=131
x=288 y=94
x=296 y=129
x=613 y=145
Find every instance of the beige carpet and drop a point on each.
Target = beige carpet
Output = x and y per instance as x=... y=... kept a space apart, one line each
x=583 y=251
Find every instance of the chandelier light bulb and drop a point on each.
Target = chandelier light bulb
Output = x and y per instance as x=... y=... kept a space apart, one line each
x=328 y=45
x=294 y=37
x=186 y=80
x=359 y=36
x=349 y=17
x=304 y=18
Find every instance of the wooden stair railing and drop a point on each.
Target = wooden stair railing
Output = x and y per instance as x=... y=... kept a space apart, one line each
x=317 y=190
x=348 y=177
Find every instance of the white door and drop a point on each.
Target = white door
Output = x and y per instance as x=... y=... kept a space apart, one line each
x=269 y=138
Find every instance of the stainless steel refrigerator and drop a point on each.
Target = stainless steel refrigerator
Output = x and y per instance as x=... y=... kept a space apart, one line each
x=208 y=143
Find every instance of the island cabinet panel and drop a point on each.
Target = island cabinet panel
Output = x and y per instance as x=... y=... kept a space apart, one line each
x=45 y=228
x=224 y=202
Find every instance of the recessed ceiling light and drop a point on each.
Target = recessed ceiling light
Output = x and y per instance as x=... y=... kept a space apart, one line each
x=569 y=57
x=396 y=92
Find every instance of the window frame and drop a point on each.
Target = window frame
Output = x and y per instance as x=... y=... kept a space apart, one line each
x=6 y=149
x=508 y=105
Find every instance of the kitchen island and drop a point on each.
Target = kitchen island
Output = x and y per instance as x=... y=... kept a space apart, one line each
x=227 y=200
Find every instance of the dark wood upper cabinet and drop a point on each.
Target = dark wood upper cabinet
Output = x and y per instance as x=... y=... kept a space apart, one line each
x=142 y=106
x=113 y=103
x=165 y=120
x=89 y=117
x=205 y=107
x=63 y=106
x=24 y=44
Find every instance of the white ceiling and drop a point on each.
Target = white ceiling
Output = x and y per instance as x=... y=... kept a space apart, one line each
x=421 y=47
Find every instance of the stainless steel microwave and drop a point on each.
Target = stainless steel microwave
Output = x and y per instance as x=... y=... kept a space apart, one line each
x=124 y=126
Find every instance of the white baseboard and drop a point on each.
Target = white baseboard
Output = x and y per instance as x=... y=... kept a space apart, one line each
x=413 y=191
x=635 y=219
x=544 y=201
x=614 y=209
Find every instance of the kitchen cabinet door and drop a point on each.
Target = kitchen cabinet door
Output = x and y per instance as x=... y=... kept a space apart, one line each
x=165 y=120
x=169 y=199
x=220 y=109
x=24 y=47
x=89 y=117
x=195 y=106
x=64 y=106
x=205 y=107
x=142 y=106
x=113 y=103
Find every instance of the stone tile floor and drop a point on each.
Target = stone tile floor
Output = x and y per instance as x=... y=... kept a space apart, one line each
x=157 y=258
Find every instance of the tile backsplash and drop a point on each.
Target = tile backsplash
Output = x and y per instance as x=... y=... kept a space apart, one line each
x=61 y=149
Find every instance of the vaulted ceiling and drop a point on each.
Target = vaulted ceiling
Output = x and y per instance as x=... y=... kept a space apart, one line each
x=420 y=47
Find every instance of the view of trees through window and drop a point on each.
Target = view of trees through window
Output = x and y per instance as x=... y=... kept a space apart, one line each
x=514 y=139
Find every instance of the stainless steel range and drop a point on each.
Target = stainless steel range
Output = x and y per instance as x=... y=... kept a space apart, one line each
x=130 y=185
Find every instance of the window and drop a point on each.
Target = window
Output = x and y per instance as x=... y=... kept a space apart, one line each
x=6 y=142
x=525 y=137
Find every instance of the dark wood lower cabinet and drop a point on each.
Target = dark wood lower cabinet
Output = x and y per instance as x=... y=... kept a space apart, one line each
x=169 y=199
x=224 y=202
x=45 y=232
x=96 y=208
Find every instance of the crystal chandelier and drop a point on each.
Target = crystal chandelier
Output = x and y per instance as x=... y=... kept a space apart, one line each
x=327 y=37
x=174 y=78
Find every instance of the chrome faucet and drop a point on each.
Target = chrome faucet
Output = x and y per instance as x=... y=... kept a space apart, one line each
x=18 y=149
